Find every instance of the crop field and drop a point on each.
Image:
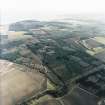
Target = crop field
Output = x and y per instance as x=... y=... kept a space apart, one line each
x=100 y=39
x=17 y=85
x=17 y=35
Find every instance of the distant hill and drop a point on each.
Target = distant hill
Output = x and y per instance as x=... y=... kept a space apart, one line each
x=25 y=25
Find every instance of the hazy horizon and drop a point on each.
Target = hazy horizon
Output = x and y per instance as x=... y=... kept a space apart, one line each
x=16 y=10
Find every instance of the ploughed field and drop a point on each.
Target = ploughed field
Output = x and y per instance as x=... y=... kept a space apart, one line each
x=16 y=85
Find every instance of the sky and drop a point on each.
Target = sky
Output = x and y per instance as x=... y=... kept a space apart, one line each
x=15 y=10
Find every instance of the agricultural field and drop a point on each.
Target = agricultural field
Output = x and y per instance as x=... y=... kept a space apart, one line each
x=13 y=81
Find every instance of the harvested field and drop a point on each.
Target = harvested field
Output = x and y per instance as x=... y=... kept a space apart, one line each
x=100 y=39
x=17 y=85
